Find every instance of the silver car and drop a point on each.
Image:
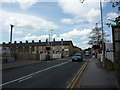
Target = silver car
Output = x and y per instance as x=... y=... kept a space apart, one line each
x=77 y=57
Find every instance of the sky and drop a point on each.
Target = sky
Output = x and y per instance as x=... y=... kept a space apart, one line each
x=67 y=19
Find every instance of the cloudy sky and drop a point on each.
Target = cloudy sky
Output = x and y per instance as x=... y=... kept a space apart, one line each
x=69 y=19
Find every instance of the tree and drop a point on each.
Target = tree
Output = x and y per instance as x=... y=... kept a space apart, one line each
x=96 y=36
x=117 y=19
x=114 y=4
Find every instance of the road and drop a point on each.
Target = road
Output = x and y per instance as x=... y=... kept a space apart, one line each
x=47 y=74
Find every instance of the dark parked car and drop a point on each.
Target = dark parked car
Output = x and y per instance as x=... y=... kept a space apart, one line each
x=77 y=57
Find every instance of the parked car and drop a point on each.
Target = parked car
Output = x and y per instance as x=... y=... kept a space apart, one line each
x=77 y=57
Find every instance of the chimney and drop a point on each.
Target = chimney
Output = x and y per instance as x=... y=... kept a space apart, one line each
x=20 y=41
x=39 y=41
x=26 y=41
x=46 y=40
x=54 y=40
x=3 y=42
x=32 y=41
x=62 y=41
x=9 y=43
x=15 y=42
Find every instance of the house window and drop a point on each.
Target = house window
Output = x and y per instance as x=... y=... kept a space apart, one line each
x=53 y=51
x=33 y=48
x=66 y=52
x=36 y=51
x=41 y=52
x=57 y=52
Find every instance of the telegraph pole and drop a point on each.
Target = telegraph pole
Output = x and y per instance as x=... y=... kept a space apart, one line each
x=102 y=29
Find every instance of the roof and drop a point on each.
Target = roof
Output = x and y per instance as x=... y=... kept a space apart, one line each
x=77 y=47
x=54 y=43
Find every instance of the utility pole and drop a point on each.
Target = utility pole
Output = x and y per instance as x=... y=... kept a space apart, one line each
x=102 y=30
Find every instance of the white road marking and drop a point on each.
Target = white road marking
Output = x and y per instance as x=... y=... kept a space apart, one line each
x=29 y=75
x=25 y=79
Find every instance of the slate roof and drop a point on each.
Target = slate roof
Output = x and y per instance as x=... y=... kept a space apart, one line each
x=54 y=43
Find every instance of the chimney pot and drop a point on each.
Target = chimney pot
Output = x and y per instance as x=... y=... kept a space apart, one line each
x=32 y=41
x=26 y=41
x=20 y=41
x=15 y=42
x=46 y=40
x=39 y=41
x=54 y=39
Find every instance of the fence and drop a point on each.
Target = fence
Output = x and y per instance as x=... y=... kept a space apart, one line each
x=43 y=57
x=109 y=56
x=26 y=56
x=56 y=56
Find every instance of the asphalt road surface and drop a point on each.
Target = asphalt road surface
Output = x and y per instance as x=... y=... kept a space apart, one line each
x=47 y=74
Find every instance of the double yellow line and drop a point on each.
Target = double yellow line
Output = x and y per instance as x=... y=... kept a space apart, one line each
x=74 y=81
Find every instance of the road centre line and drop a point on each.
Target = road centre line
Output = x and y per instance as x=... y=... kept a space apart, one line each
x=29 y=75
x=25 y=79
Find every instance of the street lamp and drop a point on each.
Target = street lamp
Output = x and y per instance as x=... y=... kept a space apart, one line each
x=11 y=32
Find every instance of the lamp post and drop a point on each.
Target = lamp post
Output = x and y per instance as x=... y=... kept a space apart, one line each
x=11 y=39
x=11 y=32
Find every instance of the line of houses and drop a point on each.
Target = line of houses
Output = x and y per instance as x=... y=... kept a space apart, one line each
x=32 y=50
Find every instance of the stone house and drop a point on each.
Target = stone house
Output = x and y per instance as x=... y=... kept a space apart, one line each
x=32 y=50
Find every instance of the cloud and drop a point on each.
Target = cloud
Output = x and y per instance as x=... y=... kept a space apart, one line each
x=25 y=22
x=93 y=15
x=76 y=34
x=32 y=37
x=36 y=38
x=67 y=21
x=83 y=45
x=112 y=15
x=80 y=35
x=82 y=12
x=24 y=4
x=17 y=32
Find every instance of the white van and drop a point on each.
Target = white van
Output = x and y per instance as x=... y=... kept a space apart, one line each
x=86 y=53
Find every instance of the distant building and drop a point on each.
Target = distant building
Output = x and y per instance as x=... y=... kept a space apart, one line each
x=32 y=50
x=77 y=50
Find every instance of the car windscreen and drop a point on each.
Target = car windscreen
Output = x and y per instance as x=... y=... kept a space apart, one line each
x=77 y=55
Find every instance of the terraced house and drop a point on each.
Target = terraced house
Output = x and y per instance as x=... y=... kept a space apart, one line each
x=32 y=50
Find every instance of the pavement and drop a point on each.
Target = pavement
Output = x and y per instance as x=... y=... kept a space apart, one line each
x=96 y=76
